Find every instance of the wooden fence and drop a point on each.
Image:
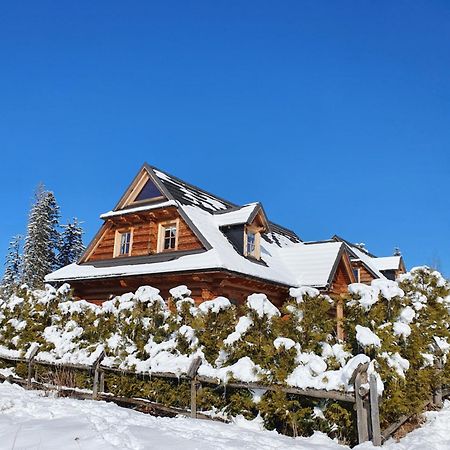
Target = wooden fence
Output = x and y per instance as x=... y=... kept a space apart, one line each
x=364 y=397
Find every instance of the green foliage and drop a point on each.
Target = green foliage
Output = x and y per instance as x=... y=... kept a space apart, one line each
x=212 y=328
x=309 y=319
x=139 y=332
x=421 y=308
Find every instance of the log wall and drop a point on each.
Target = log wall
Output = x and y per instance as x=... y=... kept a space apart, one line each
x=145 y=234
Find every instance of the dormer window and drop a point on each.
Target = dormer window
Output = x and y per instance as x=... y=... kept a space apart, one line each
x=168 y=236
x=252 y=243
x=148 y=192
x=123 y=243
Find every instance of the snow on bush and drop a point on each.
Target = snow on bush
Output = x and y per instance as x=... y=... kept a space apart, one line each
x=400 y=328
x=216 y=305
x=403 y=327
x=262 y=306
x=366 y=337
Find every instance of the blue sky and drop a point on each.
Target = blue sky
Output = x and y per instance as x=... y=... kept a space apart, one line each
x=335 y=115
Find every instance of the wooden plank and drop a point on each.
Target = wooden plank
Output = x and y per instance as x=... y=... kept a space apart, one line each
x=439 y=364
x=30 y=364
x=374 y=411
x=362 y=414
x=193 y=368
x=194 y=398
x=96 y=367
x=315 y=393
x=102 y=381
x=391 y=429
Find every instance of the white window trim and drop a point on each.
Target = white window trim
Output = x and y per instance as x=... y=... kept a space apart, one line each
x=257 y=233
x=117 y=238
x=161 y=227
x=358 y=274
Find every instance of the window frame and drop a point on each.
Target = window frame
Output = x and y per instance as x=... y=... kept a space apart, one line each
x=357 y=274
x=137 y=190
x=118 y=242
x=257 y=233
x=162 y=226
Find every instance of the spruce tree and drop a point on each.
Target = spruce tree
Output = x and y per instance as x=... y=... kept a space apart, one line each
x=70 y=244
x=42 y=238
x=13 y=266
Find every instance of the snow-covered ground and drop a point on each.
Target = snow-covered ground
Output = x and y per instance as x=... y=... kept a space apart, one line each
x=34 y=420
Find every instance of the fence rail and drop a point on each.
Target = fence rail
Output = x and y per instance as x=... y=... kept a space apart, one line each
x=366 y=401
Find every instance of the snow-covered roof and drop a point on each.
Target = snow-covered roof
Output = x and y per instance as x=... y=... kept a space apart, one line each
x=138 y=209
x=222 y=255
x=367 y=260
x=285 y=259
x=188 y=194
x=359 y=254
x=236 y=216
x=387 y=262
x=311 y=264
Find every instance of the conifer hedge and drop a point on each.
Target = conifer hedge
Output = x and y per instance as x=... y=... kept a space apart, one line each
x=401 y=327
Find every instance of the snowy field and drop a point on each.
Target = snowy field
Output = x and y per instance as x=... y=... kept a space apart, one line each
x=32 y=420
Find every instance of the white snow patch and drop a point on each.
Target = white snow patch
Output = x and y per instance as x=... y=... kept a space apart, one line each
x=244 y=323
x=367 y=337
x=283 y=342
x=262 y=306
x=180 y=292
x=215 y=306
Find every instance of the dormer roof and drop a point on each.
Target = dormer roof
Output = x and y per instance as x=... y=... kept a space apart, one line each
x=242 y=215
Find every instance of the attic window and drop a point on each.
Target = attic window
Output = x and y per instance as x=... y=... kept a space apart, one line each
x=148 y=192
x=123 y=243
x=168 y=236
x=252 y=239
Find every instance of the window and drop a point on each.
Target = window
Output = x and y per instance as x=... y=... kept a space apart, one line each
x=252 y=243
x=148 y=192
x=168 y=236
x=123 y=242
x=356 y=272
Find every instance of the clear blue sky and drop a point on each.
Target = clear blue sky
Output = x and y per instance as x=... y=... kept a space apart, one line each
x=335 y=115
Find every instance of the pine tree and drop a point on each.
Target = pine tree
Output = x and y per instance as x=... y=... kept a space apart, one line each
x=13 y=266
x=71 y=244
x=42 y=238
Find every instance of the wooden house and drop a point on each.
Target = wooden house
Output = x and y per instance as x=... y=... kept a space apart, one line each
x=165 y=232
x=367 y=267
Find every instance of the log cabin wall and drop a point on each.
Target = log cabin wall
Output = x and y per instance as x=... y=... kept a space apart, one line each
x=342 y=279
x=365 y=276
x=204 y=286
x=144 y=228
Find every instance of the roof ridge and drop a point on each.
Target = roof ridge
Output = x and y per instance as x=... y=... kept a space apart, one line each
x=193 y=186
x=354 y=246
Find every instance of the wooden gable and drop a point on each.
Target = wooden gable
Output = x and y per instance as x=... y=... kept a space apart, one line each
x=145 y=234
x=145 y=188
x=343 y=275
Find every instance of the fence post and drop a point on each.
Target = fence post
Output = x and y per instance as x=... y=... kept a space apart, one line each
x=96 y=367
x=192 y=374
x=358 y=379
x=30 y=365
x=102 y=381
x=374 y=411
x=439 y=365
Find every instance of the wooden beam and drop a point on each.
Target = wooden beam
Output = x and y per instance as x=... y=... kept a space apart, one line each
x=374 y=411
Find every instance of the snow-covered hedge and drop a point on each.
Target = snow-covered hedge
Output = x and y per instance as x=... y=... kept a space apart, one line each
x=398 y=327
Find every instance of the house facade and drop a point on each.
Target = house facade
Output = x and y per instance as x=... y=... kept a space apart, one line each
x=166 y=232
